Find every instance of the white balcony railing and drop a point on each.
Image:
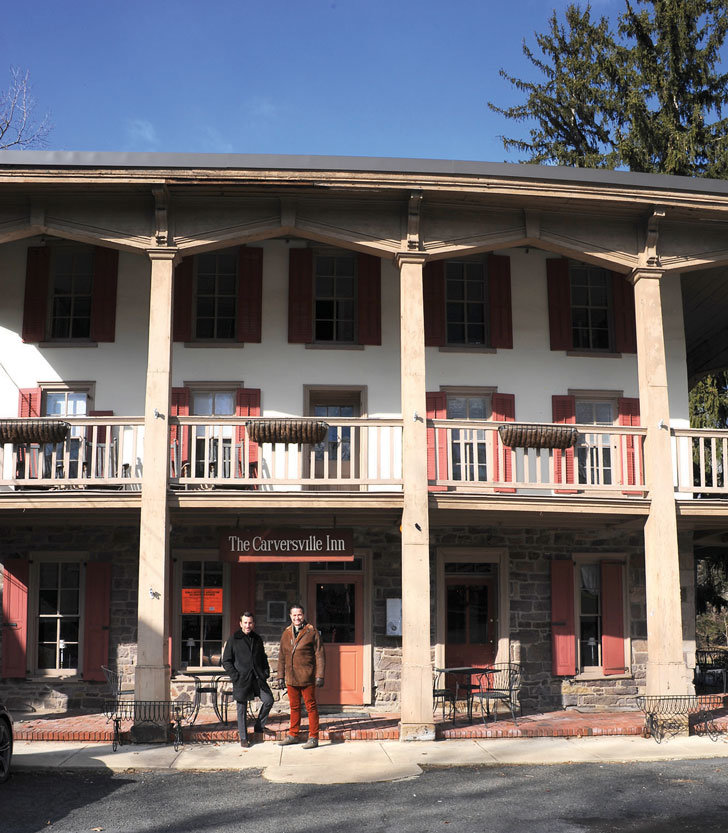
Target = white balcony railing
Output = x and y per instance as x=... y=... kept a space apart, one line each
x=470 y=455
x=361 y=455
x=98 y=452
x=699 y=461
x=357 y=454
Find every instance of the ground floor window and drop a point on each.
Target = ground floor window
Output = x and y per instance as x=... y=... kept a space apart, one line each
x=589 y=616
x=59 y=615
x=201 y=609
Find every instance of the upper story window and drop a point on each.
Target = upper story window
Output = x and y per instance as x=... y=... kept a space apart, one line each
x=468 y=446
x=594 y=454
x=216 y=296
x=72 y=276
x=467 y=302
x=335 y=298
x=70 y=293
x=591 y=308
x=466 y=293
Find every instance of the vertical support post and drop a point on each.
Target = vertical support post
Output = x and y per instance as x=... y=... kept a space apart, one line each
x=416 y=686
x=152 y=670
x=666 y=669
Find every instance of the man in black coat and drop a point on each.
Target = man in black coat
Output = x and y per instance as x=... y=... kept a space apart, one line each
x=246 y=662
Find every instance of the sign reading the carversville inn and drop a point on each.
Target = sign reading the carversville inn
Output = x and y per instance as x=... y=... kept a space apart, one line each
x=284 y=544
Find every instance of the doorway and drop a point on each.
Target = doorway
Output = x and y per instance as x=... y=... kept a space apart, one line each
x=336 y=610
x=471 y=616
x=337 y=457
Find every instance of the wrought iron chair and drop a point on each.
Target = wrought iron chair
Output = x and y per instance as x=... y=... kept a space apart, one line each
x=115 y=682
x=500 y=683
x=442 y=694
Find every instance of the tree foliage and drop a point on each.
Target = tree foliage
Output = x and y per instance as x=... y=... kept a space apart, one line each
x=646 y=95
x=19 y=127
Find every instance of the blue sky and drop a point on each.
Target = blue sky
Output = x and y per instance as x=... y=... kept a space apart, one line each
x=339 y=77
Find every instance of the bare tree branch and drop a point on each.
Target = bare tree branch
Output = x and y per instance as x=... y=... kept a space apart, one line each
x=18 y=127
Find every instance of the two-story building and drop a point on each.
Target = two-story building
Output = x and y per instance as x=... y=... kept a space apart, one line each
x=443 y=404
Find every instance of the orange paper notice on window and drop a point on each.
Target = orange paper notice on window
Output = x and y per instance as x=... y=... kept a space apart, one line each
x=213 y=600
x=191 y=600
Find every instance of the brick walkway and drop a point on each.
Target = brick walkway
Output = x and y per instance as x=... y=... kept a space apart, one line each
x=372 y=726
x=340 y=727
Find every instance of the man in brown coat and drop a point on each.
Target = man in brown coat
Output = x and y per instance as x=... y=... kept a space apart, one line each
x=301 y=670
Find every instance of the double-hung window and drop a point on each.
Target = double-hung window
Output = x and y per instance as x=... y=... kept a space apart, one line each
x=60 y=404
x=594 y=454
x=72 y=275
x=335 y=298
x=201 y=610
x=591 y=313
x=213 y=443
x=59 y=615
x=468 y=445
x=466 y=302
x=216 y=296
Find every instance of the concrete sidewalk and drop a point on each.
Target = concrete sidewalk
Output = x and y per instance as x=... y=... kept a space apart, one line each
x=354 y=762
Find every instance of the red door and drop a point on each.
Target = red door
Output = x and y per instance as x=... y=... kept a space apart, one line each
x=336 y=610
x=471 y=621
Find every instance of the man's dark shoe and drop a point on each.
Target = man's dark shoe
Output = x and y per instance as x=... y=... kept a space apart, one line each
x=245 y=743
x=288 y=740
x=311 y=743
x=263 y=730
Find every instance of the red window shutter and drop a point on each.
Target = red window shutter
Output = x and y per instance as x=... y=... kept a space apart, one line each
x=564 y=412
x=250 y=294
x=242 y=592
x=170 y=612
x=29 y=402
x=433 y=291
x=101 y=430
x=499 y=297
x=436 y=451
x=182 y=319
x=179 y=441
x=612 y=619
x=369 y=299
x=563 y=637
x=559 y=294
x=504 y=410
x=35 y=309
x=625 y=329
x=15 y=618
x=633 y=472
x=300 y=296
x=103 y=300
x=96 y=620
x=247 y=405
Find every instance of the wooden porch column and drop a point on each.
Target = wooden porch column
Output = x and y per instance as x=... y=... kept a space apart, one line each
x=416 y=687
x=152 y=670
x=666 y=669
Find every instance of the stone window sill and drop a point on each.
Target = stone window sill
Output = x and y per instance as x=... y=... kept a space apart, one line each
x=593 y=354
x=598 y=676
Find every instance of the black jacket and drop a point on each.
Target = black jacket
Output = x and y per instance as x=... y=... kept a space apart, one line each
x=246 y=663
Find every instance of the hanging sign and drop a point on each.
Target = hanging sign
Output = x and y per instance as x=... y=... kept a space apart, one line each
x=286 y=544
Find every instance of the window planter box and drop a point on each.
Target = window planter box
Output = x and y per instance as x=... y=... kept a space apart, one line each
x=295 y=431
x=31 y=430
x=538 y=436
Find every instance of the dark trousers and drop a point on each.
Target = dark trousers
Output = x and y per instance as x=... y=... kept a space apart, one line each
x=295 y=693
x=266 y=699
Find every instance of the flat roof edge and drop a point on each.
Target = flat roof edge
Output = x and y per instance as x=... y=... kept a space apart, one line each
x=364 y=164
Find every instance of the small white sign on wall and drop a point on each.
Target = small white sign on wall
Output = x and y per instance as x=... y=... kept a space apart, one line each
x=394 y=617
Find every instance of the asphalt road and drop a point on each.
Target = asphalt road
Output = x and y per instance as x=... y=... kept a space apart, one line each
x=673 y=796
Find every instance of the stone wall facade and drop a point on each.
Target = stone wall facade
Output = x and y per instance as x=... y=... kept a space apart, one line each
x=530 y=552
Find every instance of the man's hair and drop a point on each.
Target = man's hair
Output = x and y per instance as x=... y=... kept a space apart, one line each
x=248 y=614
x=297 y=605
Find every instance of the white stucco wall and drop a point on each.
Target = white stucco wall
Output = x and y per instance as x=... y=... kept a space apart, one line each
x=531 y=370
